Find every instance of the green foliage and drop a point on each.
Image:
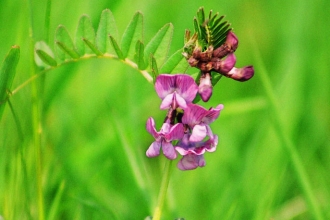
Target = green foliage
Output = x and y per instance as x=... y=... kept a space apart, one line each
x=160 y=44
x=132 y=34
x=7 y=74
x=175 y=63
x=107 y=26
x=85 y=32
x=93 y=111
x=104 y=43
x=64 y=44
x=211 y=31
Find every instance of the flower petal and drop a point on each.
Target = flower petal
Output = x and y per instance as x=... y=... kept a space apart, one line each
x=165 y=128
x=181 y=150
x=165 y=84
x=186 y=87
x=193 y=115
x=175 y=133
x=168 y=150
x=191 y=161
x=205 y=87
x=241 y=74
x=180 y=101
x=167 y=101
x=211 y=144
x=188 y=162
x=212 y=114
x=225 y=65
x=198 y=133
x=232 y=41
x=150 y=126
x=154 y=149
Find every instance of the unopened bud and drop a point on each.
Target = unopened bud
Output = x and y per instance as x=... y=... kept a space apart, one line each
x=241 y=74
x=225 y=65
x=205 y=87
x=229 y=46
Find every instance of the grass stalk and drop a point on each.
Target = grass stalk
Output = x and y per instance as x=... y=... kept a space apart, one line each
x=286 y=140
x=36 y=120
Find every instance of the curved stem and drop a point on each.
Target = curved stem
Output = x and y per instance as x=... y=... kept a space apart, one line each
x=128 y=62
x=163 y=190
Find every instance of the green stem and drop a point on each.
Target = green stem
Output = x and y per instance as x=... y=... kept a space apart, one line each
x=163 y=190
x=128 y=62
x=36 y=122
x=286 y=140
x=47 y=20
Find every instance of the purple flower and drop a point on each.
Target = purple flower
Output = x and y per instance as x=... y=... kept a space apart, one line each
x=175 y=90
x=199 y=137
x=198 y=120
x=193 y=151
x=164 y=138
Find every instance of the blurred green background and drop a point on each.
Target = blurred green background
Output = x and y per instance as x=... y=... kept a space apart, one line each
x=94 y=113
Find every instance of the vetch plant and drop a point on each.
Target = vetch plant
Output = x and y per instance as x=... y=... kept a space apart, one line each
x=186 y=125
x=185 y=134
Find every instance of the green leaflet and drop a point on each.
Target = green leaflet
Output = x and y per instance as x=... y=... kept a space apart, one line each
x=175 y=63
x=132 y=34
x=85 y=31
x=139 y=55
x=210 y=31
x=153 y=67
x=92 y=47
x=7 y=74
x=44 y=56
x=160 y=44
x=116 y=48
x=64 y=44
x=107 y=26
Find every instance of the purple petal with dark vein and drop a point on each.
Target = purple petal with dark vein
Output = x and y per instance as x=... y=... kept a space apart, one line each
x=186 y=87
x=165 y=84
x=193 y=114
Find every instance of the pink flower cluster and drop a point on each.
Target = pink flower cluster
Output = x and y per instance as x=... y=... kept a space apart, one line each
x=186 y=127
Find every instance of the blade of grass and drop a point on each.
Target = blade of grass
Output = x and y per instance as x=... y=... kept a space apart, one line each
x=287 y=142
x=7 y=73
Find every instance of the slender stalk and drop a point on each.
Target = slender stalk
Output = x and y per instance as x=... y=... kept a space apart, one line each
x=47 y=20
x=286 y=140
x=36 y=122
x=163 y=190
x=128 y=62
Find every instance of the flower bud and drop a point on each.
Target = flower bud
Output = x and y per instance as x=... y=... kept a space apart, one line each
x=205 y=66
x=229 y=46
x=232 y=41
x=192 y=62
x=225 y=65
x=205 y=87
x=241 y=74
